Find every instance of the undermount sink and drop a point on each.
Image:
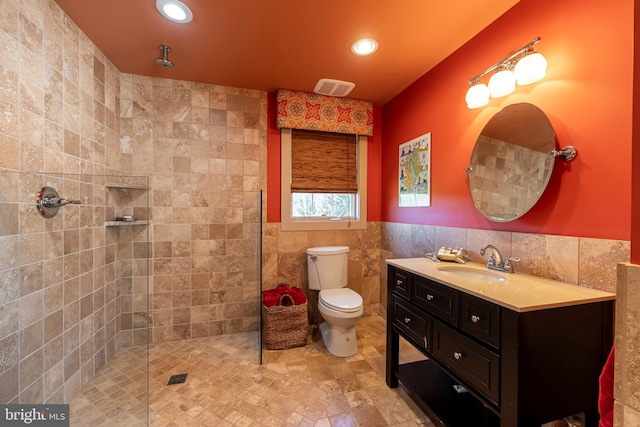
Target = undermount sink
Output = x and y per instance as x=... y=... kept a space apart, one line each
x=472 y=273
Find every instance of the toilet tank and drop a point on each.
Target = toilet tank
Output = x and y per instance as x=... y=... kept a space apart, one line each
x=328 y=267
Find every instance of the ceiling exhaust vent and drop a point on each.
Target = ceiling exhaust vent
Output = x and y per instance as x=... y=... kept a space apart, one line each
x=333 y=87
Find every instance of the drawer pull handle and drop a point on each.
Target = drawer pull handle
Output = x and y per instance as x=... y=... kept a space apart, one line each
x=407 y=320
x=430 y=297
x=475 y=319
x=399 y=282
x=457 y=355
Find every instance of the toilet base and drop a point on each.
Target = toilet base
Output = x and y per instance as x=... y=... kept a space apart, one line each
x=339 y=341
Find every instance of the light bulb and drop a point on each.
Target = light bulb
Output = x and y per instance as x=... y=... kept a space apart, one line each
x=364 y=46
x=477 y=96
x=530 y=68
x=502 y=83
x=174 y=10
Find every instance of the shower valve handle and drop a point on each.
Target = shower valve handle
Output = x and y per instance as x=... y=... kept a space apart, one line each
x=57 y=202
x=48 y=202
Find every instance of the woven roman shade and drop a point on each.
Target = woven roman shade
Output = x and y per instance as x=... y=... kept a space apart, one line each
x=323 y=162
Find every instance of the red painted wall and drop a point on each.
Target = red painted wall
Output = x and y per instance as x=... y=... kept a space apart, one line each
x=273 y=161
x=635 y=185
x=587 y=95
x=374 y=165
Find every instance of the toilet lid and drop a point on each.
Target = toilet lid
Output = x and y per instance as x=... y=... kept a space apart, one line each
x=328 y=250
x=342 y=299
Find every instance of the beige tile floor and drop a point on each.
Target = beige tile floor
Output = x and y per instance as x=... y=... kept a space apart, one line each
x=303 y=386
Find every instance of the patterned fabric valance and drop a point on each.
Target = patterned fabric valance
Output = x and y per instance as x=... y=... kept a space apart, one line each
x=310 y=111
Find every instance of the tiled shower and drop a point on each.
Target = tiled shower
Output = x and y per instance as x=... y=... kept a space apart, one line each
x=74 y=286
x=188 y=159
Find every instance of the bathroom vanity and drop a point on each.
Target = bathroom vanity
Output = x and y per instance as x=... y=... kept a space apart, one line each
x=501 y=349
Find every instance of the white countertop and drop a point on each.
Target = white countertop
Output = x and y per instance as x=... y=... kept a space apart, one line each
x=519 y=292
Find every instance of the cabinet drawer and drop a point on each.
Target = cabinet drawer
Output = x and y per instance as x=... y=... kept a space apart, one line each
x=478 y=366
x=401 y=282
x=439 y=299
x=414 y=324
x=480 y=318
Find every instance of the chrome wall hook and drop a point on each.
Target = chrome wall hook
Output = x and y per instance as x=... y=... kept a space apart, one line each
x=48 y=202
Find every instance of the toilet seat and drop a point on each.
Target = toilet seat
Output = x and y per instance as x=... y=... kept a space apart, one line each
x=342 y=299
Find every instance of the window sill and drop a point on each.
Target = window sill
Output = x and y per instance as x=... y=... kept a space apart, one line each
x=322 y=225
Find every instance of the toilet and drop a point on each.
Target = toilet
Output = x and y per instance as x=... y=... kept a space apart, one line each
x=340 y=306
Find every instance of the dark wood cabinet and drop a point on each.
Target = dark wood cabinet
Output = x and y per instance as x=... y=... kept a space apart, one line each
x=488 y=365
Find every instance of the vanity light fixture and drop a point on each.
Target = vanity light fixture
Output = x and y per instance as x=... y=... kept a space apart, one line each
x=174 y=10
x=364 y=47
x=502 y=83
x=477 y=95
x=531 y=68
x=523 y=67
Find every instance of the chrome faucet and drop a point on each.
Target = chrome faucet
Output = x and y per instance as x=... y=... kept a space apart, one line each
x=495 y=261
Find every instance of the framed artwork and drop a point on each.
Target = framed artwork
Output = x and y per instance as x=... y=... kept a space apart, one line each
x=414 y=180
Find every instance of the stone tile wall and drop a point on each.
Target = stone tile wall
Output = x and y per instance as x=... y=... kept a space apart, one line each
x=59 y=297
x=204 y=149
x=130 y=250
x=578 y=260
x=67 y=110
x=626 y=389
x=69 y=286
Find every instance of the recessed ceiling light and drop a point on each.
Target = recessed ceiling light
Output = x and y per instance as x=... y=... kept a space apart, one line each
x=364 y=47
x=174 y=10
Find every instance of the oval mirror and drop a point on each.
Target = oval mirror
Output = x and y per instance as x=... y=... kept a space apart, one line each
x=511 y=163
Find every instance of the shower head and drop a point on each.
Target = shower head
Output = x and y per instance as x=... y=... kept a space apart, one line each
x=164 y=61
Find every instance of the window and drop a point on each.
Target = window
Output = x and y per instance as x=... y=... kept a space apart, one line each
x=311 y=205
x=323 y=180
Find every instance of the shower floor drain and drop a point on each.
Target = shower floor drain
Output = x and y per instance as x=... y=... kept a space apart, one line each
x=177 y=379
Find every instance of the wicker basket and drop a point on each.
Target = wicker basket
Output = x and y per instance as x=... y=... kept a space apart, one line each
x=285 y=326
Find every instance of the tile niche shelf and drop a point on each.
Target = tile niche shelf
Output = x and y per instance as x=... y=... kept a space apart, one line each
x=122 y=195
x=125 y=186
x=126 y=223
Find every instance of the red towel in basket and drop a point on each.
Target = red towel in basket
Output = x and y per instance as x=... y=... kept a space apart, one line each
x=271 y=297
x=283 y=288
x=298 y=295
x=605 y=398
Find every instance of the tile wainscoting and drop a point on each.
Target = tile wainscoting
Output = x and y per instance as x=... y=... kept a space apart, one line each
x=626 y=391
x=284 y=260
x=581 y=261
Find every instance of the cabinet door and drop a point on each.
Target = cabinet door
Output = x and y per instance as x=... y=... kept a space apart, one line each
x=478 y=366
x=480 y=319
x=414 y=324
x=438 y=299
